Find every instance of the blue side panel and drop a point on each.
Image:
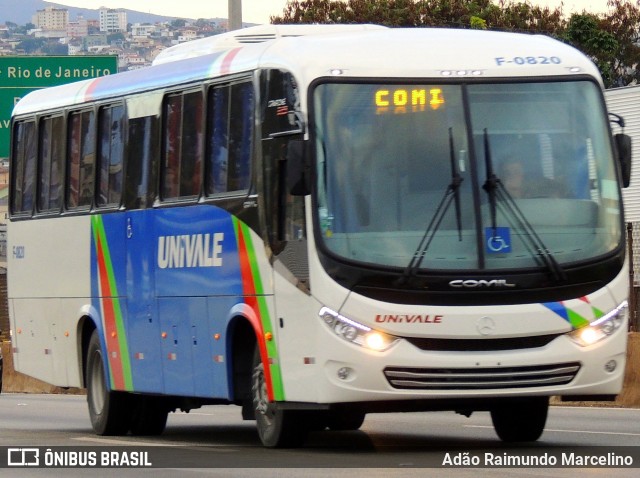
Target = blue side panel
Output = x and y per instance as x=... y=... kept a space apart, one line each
x=177 y=343
x=197 y=253
x=218 y=310
x=177 y=275
x=198 y=280
x=144 y=327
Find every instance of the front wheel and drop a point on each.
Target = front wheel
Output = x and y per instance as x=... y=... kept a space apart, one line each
x=277 y=428
x=109 y=411
x=340 y=420
x=522 y=420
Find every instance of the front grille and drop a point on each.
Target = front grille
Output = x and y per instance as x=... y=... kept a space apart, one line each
x=510 y=343
x=481 y=378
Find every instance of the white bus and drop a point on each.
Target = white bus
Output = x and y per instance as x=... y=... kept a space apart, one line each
x=317 y=223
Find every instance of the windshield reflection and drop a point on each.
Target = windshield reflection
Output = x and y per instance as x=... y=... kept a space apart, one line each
x=384 y=164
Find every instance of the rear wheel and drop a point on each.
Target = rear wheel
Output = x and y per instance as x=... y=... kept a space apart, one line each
x=277 y=428
x=522 y=420
x=149 y=416
x=109 y=411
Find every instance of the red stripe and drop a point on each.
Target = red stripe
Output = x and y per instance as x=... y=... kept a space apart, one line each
x=251 y=300
x=88 y=94
x=111 y=337
x=228 y=59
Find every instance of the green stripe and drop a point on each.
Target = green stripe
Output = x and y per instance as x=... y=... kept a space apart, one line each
x=99 y=231
x=576 y=320
x=272 y=348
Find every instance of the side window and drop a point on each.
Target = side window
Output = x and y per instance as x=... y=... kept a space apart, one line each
x=23 y=167
x=110 y=155
x=241 y=138
x=81 y=159
x=285 y=213
x=230 y=118
x=182 y=148
x=142 y=163
x=50 y=162
x=218 y=140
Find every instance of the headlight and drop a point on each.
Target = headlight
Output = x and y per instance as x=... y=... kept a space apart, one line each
x=601 y=328
x=356 y=333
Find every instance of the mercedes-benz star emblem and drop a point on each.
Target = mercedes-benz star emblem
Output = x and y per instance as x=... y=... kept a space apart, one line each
x=486 y=326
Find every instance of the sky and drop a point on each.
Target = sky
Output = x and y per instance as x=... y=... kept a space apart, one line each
x=259 y=11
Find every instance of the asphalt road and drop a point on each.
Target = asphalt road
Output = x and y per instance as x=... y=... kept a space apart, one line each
x=214 y=441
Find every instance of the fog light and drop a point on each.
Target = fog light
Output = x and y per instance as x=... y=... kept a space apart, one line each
x=344 y=373
x=610 y=366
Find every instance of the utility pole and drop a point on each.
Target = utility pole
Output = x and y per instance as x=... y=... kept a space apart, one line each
x=235 y=14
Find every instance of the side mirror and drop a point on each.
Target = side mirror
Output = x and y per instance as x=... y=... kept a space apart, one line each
x=623 y=147
x=298 y=168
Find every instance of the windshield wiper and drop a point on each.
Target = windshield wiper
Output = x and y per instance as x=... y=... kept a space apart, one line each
x=452 y=194
x=500 y=198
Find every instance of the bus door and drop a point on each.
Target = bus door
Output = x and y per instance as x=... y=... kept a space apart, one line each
x=284 y=212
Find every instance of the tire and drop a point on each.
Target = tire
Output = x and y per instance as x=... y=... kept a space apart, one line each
x=521 y=421
x=277 y=428
x=149 y=416
x=109 y=411
x=345 y=420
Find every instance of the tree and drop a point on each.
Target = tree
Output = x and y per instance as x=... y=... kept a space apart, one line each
x=623 y=61
x=178 y=23
x=585 y=33
x=54 y=48
x=609 y=39
x=419 y=13
x=31 y=45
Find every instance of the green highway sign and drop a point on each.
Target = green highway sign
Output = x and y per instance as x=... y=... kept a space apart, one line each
x=20 y=75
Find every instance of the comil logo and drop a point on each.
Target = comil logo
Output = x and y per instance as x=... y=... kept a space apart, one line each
x=23 y=457
x=476 y=284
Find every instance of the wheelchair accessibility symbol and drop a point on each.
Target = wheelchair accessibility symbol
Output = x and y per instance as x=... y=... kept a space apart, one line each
x=498 y=240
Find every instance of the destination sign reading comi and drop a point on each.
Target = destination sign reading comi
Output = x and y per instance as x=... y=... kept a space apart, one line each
x=19 y=75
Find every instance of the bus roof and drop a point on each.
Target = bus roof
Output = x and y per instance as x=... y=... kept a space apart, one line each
x=252 y=35
x=352 y=51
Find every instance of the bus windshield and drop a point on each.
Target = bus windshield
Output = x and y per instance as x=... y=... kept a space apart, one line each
x=465 y=176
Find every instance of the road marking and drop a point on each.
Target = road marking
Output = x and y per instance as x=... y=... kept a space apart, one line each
x=567 y=431
x=110 y=441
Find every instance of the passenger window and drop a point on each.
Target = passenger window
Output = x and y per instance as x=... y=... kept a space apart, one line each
x=230 y=138
x=23 y=167
x=142 y=163
x=81 y=159
x=50 y=163
x=218 y=155
x=110 y=155
x=241 y=138
x=181 y=173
